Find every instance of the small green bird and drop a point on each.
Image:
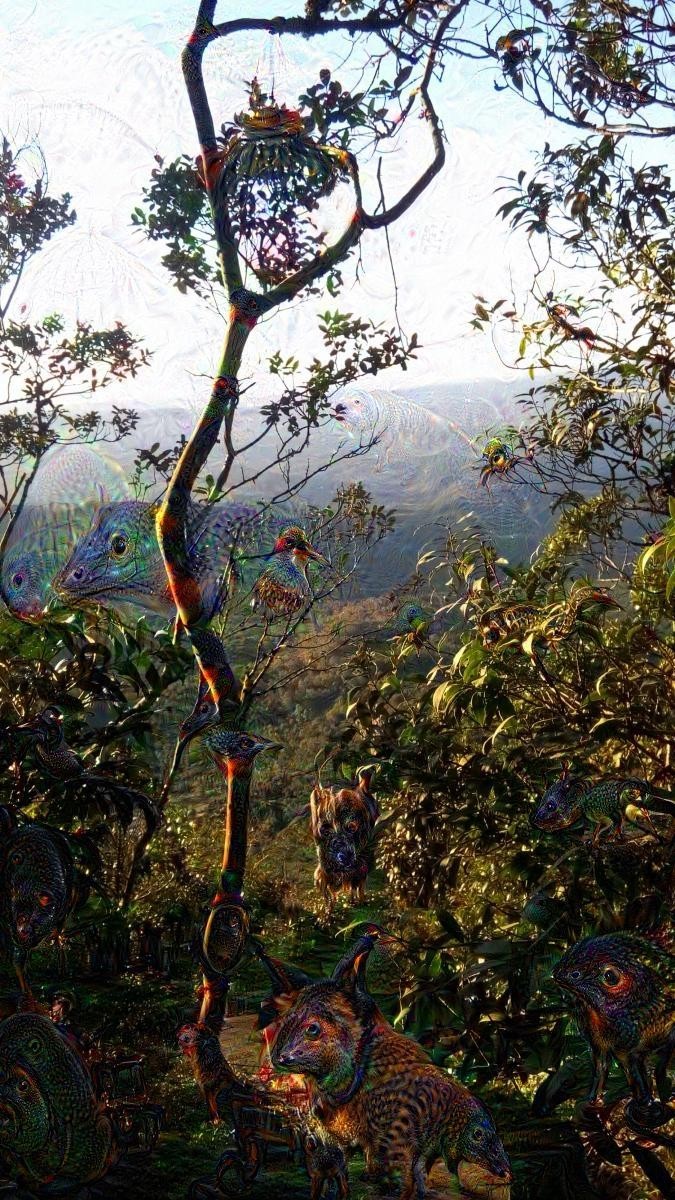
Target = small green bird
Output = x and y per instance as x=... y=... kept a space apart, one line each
x=283 y=587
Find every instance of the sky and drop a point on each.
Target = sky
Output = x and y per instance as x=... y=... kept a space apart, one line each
x=99 y=87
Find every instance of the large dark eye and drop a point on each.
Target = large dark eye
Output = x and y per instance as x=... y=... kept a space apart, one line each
x=17 y=579
x=313 y=1030
x=22 y=1086
x=611 y=977
x=118 y=544
x=246 y=743
x=205 y=706
x=575 y=975
x=478 y=1135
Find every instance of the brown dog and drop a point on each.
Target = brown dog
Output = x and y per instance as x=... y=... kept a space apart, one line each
x=342 y=823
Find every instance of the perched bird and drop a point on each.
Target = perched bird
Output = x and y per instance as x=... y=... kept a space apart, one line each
x=624 y=1002
x=411 y=621
x=213 y=1074
x=283 y=587
x=606 y=805
x=565 y=318
x=60 y=762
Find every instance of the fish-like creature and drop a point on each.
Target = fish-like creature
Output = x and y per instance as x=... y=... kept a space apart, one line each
x=118 y=561
x=71 y=483
x=54 y=1133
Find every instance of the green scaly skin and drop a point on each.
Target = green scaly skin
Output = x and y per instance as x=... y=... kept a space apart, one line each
x=606 y=805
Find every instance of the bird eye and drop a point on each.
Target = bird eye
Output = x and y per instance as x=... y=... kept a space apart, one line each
x=575 y=975
x=44 y=901
x=17 y=579
x=118 y=544
x=478 y=1135
x=611 y=977
x=246 y=743
x=205 y=706
x=313 y=1030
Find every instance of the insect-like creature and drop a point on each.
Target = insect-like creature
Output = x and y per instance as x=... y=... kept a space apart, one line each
x=374 y=1088
x=565 y=318
x=500 y=457
x=606 y=805
x=624 y=993
x=60 y=762
x=283 y=587
x=53 y=1131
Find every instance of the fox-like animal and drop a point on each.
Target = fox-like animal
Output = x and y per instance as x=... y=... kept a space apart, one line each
x=342 y=823
x=213 y=1074
x=326 y=1167
x=376 y=1089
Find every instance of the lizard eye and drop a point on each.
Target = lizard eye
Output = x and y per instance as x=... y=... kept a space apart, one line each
x=118 y=544
x=611 y=976
x=313 y=1030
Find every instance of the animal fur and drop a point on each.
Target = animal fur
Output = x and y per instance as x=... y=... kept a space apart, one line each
x=376 y=1089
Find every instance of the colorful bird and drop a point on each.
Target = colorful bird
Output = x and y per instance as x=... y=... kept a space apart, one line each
x=283 y=587
x=58 y=761
x=411 y=621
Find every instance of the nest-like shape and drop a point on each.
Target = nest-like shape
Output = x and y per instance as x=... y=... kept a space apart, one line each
x=272 y=178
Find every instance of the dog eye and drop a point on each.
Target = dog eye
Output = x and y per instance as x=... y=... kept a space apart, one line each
x=313 y=1030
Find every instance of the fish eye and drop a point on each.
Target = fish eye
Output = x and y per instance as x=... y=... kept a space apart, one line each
x=17 y=579
x=611 y=976
x=118 y=544
x=313 y=1030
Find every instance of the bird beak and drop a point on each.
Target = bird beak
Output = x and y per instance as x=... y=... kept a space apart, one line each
x=608 y=601
x=266 y=744
x=31 y=726
x=338 y=413
x=312 y=552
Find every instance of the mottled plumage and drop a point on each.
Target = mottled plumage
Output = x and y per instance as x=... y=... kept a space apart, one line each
x=283 y=588
x=624 y=992
x=53 y=1131
x=376 y=1089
